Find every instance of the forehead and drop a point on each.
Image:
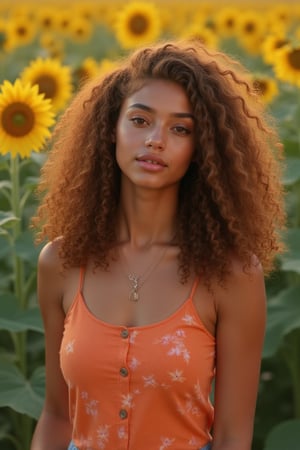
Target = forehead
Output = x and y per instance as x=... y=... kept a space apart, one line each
x=160 y=95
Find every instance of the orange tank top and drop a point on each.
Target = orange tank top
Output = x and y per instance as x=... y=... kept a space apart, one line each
x=138 y=388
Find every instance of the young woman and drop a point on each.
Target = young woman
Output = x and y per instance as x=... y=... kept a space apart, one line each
x=162 y=206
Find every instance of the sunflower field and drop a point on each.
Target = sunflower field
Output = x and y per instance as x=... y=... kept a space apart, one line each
x=47 y=51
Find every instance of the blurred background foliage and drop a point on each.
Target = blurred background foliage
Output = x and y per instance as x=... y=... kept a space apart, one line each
x=57 y=46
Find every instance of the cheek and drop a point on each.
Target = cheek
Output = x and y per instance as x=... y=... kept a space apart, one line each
x=187 y=155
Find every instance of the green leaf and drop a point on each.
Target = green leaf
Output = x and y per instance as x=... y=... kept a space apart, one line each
x=6 y=184
x=285 y=436
x=292 y=172
x=290 y=261
x=14 y=319
x=283 y=317
x=4 y=163
x=25 y=247
x=5 y=247
x=7 y=218
x=22 y=395
x=30 y=183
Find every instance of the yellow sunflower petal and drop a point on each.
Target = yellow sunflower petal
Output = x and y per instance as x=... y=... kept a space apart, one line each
x=25 y=118
x=53 y=79
x=137 y=23
x=287 y=64
x=266 y=87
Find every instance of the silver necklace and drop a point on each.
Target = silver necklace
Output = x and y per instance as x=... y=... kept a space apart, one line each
x=137 y=281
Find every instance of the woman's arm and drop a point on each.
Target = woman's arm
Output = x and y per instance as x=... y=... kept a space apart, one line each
x=53 y=430
x=240 y=334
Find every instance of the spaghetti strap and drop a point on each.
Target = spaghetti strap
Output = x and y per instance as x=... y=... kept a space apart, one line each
x=81 y=279
x=194 y=287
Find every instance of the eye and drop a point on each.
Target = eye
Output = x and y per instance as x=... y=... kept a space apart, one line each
x=139 y=121
x=180 y=129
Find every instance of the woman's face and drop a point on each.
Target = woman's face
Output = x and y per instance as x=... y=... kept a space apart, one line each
x=155 y=135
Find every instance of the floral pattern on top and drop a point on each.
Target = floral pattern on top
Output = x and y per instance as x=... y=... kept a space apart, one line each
x=170 y=368
x=176 y=345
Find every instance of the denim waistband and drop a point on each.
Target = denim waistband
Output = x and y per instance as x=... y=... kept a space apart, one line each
x=207 y=447
x=72 y=446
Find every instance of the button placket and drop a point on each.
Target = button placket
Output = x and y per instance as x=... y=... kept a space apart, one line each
x=124 y=333
x=124 y=374
x=123 y=414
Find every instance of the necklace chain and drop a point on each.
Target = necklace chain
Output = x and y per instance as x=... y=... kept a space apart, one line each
x=137 y=281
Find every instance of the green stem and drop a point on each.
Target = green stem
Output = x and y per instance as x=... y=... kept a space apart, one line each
x=28 y=285
x=24 y=199
x=18 y=266
x=26 y=428
x=17 y=211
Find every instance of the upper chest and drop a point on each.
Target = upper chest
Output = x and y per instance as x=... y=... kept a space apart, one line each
x=108 y=297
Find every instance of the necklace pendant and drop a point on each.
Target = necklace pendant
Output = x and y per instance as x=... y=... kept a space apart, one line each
x=134 y=296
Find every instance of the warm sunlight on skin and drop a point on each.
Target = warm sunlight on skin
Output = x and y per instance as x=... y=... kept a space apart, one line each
x=156 y=123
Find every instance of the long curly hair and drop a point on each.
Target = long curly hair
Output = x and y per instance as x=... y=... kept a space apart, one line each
x=231 y=199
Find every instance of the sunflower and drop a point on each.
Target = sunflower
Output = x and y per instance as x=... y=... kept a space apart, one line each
x=287 y=64
x=48 y=18
x=53 y=79
x=106 y=65
x=226 y=20
x=279 y=15
x=53 y=45
x=85 y=10
x=87 y=70
x=271 y=44
x=20 y=31
x=202 y=34
x=265 y=87
x=64 y=21
x=137 y=23
x=250 y=28
x=25 y=118
x=80 y=29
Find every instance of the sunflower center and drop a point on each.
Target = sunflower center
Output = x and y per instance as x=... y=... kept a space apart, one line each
x=138 y=24
x=79 y=31
x=249 y=27
x=65 y=23
x=22 y=31
x=17 y=119
x=47 y=86
x=230 y=23
x=294 y=58
x=280 y=43
x=260 y=86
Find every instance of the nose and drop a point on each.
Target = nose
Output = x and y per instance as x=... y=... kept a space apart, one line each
x=155 y=141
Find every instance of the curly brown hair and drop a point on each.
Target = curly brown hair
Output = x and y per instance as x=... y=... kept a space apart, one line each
x=231 y=198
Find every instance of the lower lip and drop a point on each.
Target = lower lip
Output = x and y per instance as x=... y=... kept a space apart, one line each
x=150 y=167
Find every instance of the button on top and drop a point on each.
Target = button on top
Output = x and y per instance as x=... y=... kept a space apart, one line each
x=123 y=414
x=123 y=372
x=124 y=333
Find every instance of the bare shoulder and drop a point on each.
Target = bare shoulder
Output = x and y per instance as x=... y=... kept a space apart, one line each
x=244 y=288
x=49 y=256
x=50 y=272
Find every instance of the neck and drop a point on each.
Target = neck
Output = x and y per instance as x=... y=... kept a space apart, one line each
x=148 y=217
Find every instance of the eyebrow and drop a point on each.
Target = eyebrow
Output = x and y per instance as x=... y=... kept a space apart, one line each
x=152 y=110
